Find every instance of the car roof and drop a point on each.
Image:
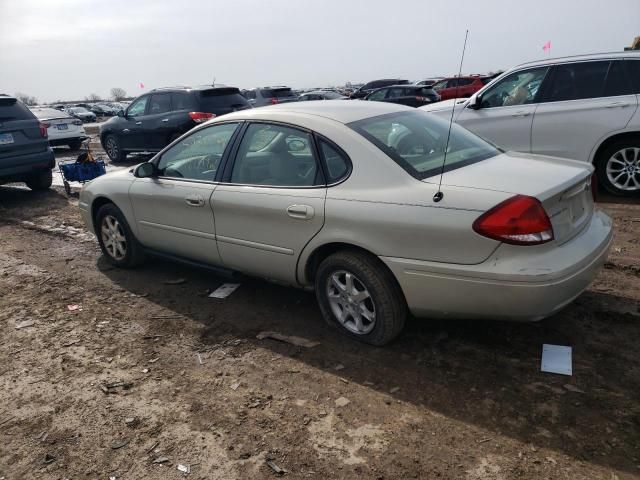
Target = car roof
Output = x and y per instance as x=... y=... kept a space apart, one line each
x=343 y=111
x=579 y=58
x=196 y=88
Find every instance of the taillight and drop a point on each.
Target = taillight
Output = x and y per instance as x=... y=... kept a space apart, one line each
x=43 y=130
x=519 y=220
x=273 y=101
x=594 y=186
x=200 y=117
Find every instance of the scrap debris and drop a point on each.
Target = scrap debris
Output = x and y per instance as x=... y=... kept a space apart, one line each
x=293 y=340
x=276 y=469
x=111 y=387
x=25 y=324
x=556 y=359
x=224 y=290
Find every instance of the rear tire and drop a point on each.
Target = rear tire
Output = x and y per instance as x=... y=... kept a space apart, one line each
x=114 y=149
x=351 y=284
x=75 y=145
x=619 y=164
x=117 y=242
x=40 y=181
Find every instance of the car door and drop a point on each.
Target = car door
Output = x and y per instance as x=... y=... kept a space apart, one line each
x=158 y=124
x=271 y=201
x=378 y=95
x=585 y=102
x=172 y=210
x=131 y=131
x=505 y=112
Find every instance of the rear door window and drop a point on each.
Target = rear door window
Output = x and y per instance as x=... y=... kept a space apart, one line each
x=633 y=69
x=378 y=95
x=182 y=101
x=617 y=82
x=577 y=81
x=396 y=92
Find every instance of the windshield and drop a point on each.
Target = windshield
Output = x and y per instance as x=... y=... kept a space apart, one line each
x=416 y=141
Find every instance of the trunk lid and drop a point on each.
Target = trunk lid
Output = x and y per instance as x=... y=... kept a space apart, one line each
x=563 y=186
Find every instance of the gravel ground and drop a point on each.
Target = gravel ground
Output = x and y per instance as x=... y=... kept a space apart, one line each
x=138 y=374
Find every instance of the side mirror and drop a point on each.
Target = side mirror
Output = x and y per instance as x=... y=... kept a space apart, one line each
x=475 y=102
x=145 y=170
x=121 y=113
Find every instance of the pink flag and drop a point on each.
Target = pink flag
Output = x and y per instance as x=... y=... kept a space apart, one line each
x=547 y=46
x=141 y=85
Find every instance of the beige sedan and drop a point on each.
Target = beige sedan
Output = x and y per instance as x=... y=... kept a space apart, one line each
x=345 y=198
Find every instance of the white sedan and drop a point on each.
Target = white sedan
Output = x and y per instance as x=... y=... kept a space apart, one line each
x=345 y=198
x=62 y=128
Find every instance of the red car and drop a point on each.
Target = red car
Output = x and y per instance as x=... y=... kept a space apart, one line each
x=466 y=86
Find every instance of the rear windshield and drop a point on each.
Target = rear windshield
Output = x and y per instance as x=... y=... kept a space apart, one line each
x=221 y=98
x=277 y=92
x=10 y=109
x=44 y=113
x=416 y=141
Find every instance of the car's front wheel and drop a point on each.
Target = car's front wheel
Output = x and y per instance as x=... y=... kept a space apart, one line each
x=359 y=295
x=116 y=239
x=618 y=167
x=114 y=149
x=40 y=181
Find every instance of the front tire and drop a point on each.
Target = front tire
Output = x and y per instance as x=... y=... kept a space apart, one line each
x=359 y=296
x=117 y=242
x=114 y=149
x=40 y=181
x=618 y=167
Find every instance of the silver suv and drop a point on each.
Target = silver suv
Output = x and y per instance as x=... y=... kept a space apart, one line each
x=584 y=108
x=260 y=97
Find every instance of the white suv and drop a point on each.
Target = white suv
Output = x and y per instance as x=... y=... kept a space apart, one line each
x=585 y=108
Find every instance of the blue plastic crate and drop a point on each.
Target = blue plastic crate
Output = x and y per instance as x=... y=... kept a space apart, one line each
x=82 y=172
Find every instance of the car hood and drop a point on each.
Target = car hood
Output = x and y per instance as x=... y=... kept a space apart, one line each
x=444 y=105
x=538 y=176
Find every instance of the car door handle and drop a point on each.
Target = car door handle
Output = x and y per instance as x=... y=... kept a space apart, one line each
x=194 y=201
x=521 y=113
x=302 y=212
x=138 y=123
x=126 y=130
x=617 y=104
x=165 y=120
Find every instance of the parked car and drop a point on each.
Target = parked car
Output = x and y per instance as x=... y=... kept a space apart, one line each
x=460 y=87
x=321 y=95
x=369 y=87
x=155 y=119
x=81 y=113
x=410 y=95
x=585 y=108
x=25 y=154
x=103 y=110
x=428 y=81
x=260 y=97
x=344 y=197
x=62 y=128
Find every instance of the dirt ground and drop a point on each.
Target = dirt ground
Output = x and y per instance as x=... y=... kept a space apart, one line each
x=146 y=377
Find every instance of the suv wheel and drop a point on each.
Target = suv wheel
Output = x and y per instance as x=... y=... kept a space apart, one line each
x=116 y=239
x=40 y=181
x=618 y=167
x=113 y=149
x=359 y=296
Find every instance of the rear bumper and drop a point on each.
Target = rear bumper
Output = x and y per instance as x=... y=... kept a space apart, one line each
x=19 y=167
x=509 y=285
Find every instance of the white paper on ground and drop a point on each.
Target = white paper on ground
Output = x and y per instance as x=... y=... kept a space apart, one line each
x=224 y=290
x=556 y=359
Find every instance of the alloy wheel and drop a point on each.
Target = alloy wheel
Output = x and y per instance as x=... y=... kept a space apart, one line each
x=112 y=148
x=623 y=169
x=113 y=238
x=351 y=303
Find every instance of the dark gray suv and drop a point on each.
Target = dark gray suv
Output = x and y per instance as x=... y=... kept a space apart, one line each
x=25 y=155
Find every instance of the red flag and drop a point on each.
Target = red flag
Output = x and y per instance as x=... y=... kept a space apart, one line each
x=547 y=46
x=141 y=85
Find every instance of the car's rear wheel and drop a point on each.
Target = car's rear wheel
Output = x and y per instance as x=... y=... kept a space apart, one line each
x=357 y=294
x=116 y=239
x=114 y=149
x=75 y=145
x=40 y=181
x=618 y=167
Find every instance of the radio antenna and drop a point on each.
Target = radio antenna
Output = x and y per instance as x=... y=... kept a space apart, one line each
x=439 y=195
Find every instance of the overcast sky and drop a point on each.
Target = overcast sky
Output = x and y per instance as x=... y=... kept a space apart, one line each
x=67 y=49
